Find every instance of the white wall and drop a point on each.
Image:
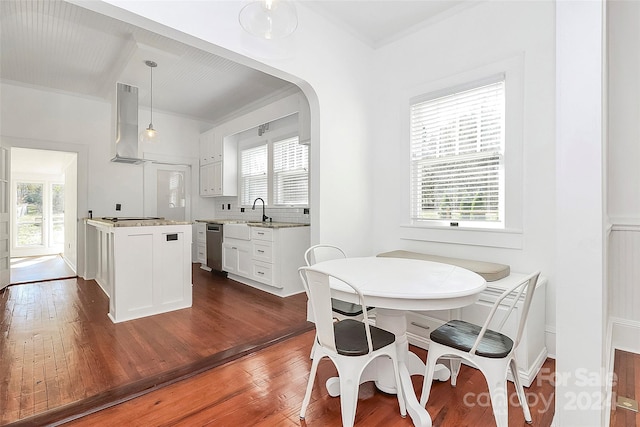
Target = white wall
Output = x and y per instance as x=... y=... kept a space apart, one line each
x=33 y=114
x=580 y=203
x=624 y=175
x=71 y=222
x=35 y=118
x=624 y=110
x=478 y=36
x=335 y=73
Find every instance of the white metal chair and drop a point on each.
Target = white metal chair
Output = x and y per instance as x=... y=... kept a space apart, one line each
x=350 y=344
x=491 y=351
x=324 y=252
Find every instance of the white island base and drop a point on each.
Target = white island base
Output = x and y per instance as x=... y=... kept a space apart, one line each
x=143 y=269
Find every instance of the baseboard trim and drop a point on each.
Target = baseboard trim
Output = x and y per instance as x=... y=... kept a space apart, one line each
x=550 y=341
x=69 y=264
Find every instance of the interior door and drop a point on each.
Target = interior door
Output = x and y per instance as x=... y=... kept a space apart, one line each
x=4 y=218
x=171 y=202
x=167 y=191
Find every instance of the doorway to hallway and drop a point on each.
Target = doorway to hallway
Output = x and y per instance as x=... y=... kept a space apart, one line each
x=43 y=208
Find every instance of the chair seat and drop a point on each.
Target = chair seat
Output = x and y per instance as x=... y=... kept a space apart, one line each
x=347 y=308
x=351 y=338
x=462 y=335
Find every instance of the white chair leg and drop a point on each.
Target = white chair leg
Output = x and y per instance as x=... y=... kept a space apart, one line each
x=313 y=348
x=499 y=401
x=522 y=397
x=349 y=386
x=307 y=394
x=455 y=369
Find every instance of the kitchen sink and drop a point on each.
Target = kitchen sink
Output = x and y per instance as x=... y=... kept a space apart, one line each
x=236 y=230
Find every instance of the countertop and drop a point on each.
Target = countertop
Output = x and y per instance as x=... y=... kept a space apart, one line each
x=135 y=222
x=267 y=224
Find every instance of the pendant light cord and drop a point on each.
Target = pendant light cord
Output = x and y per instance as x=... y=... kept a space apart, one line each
x=151 y=65
x=151 y=122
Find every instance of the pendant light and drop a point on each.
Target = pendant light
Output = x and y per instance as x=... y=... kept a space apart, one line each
x=269 y=19
x=150 y=134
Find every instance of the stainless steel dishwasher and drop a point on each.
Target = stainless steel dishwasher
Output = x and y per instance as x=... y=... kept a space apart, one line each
x=214 y=246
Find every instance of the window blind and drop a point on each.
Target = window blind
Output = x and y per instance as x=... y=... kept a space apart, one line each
x=290 y=172
x=457 y=155
x=253 y=170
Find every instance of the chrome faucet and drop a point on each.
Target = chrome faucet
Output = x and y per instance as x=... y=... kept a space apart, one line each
x=264 y=217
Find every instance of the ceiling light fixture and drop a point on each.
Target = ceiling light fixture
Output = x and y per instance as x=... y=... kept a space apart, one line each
x=269 y=19
x=150 y=134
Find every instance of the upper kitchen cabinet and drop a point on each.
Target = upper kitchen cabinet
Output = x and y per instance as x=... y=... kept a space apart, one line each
x=218 y=165
x=219 y=146
x=210 y=150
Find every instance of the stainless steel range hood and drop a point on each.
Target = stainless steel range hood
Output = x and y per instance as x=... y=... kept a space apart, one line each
x=127 y=125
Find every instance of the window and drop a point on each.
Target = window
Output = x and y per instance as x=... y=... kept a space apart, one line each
x=39 y=218
x=253 y=174
x=457 y=139
x=276 y=170
x=290 y=172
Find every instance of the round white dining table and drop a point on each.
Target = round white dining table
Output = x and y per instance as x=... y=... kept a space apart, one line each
x=395 y=286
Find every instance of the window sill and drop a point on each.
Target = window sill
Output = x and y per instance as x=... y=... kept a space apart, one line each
x=509 y=239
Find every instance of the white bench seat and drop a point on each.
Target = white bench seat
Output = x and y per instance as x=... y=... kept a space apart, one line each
x=490 y=271
x=532 y=351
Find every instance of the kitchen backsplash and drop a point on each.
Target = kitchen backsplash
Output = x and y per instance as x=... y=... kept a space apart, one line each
x=296 y=215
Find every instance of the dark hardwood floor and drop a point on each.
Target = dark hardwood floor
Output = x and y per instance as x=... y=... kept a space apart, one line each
x=626 y=383
x=266 y=388
x=62 y=356
x=237 y=357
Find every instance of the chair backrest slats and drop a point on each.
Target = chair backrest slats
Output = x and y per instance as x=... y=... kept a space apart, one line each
x=513 y=295
x=319 y=294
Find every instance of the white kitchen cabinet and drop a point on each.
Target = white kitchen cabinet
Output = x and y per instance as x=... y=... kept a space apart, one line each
x=531 y=352
x=236 y=257
x=206 y=174
x=211 y=180
x=218 y=165
x=201 y=245
x=262 y=254
x=210 y=148
x=272 y=259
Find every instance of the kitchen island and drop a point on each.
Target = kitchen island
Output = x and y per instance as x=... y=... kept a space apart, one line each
x=143 y=265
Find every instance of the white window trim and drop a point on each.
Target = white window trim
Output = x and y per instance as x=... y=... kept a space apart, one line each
x=511 y=235
x=465 y=223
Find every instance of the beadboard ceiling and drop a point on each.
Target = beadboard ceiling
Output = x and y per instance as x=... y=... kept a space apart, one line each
x=60 y=46
x=64 y=47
